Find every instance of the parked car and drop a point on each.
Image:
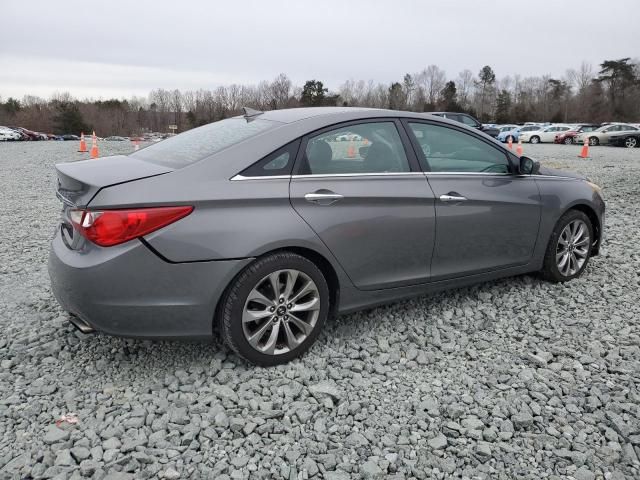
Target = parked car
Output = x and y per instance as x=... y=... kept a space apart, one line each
x=543 y=134
x=27 y=134
x=9 y=135
x=515 y=133
x=569 y=136
x=625 y=139
x=505 y=128
x=469 y=121
x=258 y=224
x=69 y=136
x=600 y=136
x=115 y=138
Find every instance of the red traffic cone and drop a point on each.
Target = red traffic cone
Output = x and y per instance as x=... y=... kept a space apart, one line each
x=585 y=148
x=519 y=148
x=94 y=146
x=510 y=142
x=83 y=144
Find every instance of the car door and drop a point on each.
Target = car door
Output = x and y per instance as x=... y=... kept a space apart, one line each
x=487 y=217
x=368 y=202
x=549 y=134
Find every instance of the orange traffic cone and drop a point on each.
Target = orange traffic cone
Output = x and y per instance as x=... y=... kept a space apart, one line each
x=136 y=145
x=585 y=148
x=510 y=142
x=94 y=146
x=519 y=148
x=83 y=144
x=351 y=151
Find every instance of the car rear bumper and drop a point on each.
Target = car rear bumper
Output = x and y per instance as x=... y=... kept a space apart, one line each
x=127 y=290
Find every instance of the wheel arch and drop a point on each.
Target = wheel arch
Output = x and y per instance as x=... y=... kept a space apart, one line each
x=325 y=266
x=595 y=223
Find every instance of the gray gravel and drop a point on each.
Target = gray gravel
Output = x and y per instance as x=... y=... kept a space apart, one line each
x=512 y=379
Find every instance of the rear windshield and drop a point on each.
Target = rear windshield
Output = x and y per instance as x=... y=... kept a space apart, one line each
x=194 y=145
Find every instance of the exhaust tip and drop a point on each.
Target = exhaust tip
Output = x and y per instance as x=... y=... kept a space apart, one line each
x=81 y=325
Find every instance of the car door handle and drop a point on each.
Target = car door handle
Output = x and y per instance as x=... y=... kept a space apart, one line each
x=323 y=198
x=452 y=198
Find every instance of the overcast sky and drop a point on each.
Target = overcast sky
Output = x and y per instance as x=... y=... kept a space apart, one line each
x=119 y=48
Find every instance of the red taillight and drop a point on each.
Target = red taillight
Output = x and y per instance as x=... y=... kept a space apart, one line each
x=112 y=227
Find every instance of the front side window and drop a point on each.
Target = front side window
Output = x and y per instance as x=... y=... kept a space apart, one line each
x=373 y=147
x=448 y=150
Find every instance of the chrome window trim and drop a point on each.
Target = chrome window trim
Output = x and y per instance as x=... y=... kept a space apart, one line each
x=483 y=174
x=370 y=174
x=239 y=177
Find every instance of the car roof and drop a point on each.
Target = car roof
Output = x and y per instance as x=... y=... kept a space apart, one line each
x=290 y=115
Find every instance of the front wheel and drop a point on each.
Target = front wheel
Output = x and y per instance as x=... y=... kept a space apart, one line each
x=535 y=139
x=593 y=141
x=569 y=248
x=568 y=140
x=274 y=309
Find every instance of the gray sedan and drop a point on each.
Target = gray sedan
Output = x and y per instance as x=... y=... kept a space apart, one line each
x=260 y=227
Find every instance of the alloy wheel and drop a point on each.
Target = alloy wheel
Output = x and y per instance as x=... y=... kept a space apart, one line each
x=535 y=139
x=593 y=141
x=573 y=246
x=568 y=141
x=280 y=311
x=630 y=142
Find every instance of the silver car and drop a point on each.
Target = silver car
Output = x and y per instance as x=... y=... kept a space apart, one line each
x=260 y=227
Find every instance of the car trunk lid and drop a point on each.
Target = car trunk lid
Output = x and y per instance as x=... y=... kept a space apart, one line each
x=79 y=182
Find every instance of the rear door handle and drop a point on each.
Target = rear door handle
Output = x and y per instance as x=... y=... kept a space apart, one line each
x=452 y=198
x=323 y=198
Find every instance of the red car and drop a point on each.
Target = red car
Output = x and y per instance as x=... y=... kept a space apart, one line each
x=568 y=137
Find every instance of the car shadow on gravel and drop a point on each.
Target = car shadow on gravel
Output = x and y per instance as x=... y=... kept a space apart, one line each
x=120 y=358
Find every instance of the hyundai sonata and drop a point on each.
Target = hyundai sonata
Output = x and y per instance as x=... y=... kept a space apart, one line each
x=259 y=227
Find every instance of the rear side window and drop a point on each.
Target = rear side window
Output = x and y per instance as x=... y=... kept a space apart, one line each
x=194 y=145
x=277 y=163
x=371 y=147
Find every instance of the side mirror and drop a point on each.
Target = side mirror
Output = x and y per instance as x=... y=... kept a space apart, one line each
x=528 y=166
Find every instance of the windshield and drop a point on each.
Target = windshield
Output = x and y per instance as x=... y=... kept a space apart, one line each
x=194 y=145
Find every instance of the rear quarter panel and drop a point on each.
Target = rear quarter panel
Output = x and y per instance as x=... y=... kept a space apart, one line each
x=231 y=220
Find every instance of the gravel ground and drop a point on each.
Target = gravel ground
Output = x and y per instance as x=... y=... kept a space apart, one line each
x=511 y=379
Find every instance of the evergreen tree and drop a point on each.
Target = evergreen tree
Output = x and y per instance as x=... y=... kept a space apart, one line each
x=503 y=107
x=486 y=78
x=68 y=119
x=313 y=94
x=397 y=97
x=449 y=95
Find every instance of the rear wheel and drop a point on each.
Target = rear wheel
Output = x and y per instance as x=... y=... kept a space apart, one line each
x=630 y=142
x=593 y=141
x=274 y=310
x=535 y=139
x=569 y=248
x=568 y=140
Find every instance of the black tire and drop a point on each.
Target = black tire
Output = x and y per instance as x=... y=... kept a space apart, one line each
x=550 y=269
x=509 y=137
x=534 y=139
x=568 y=140
x=233 y=302
x=593 y=141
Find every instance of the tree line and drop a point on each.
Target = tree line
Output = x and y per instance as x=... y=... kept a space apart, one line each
x=610 y=92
